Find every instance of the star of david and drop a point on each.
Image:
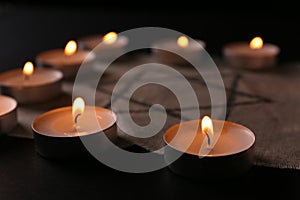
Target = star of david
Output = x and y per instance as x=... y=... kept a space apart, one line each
x=232 y=94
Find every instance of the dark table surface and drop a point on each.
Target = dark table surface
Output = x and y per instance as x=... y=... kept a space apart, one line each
x=26 y=175
x=27 y=30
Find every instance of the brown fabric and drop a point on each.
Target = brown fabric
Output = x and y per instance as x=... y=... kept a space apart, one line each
x=267 y=102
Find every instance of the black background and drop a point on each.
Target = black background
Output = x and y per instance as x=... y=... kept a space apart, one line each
x=28 y=28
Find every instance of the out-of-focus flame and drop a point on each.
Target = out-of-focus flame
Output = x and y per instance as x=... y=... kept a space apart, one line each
x=183 y=41
x=110 y=38
x=71 y=48
x=256 y=43
x=28 y=69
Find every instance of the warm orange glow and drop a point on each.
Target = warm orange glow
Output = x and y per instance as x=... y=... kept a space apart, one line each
x=70 y=48
x=28 y=69
x=256 y=43
x=110 y=38
x=207 y=126
x=77 y=108
x=183 y=41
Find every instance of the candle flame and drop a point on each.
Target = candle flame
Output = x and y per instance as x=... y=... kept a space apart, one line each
x=207 y=126
x=70 y=48
x=77 y=108
x=28 y=68
x=110 y=38
x=183 y=41
x=256 y=43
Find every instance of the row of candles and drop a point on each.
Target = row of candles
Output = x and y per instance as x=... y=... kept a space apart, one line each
x=233 y=149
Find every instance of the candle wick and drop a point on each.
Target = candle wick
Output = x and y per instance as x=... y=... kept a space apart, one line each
x=208 y=138
x=76 y=118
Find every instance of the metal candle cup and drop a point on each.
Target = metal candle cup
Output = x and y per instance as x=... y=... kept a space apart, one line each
x=105 y=46
x=42 y=85
x=231 y=156
x=8 y=114
x=58 y=137
x=67 y=63
x=242 y=55
x=187 y=49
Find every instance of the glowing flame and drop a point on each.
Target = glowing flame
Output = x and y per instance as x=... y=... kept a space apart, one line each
x=70 y=48
x=28 y=69
x=183 y=41
x=110 y=38
x=207 y=126
x=256 y=43
x=77 y=108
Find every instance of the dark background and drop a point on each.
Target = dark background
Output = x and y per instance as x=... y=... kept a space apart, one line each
x=28 y=28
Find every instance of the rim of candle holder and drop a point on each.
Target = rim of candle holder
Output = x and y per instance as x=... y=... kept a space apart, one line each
x=2 y=80
x=249 y=132
x=9 y=119
x=43 y=58
x=69 y=136
x=85 y=41
x=14 y=107
x=255 y=52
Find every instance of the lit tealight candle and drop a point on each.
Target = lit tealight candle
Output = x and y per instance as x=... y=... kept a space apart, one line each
x=8 y=114
x=217 y=149
x=166 y=50
x=253 y=55
x=67 y=60
x=29 y=85
x=105 y=46
x=57 y=132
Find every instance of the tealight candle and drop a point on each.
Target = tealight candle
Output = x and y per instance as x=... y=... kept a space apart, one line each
x=57 y=132
x=166 y=50
x=8 y=114
x=253 y=55
x=204 y=155
x=105 y=46
x=67 y=60
x=29 y=85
